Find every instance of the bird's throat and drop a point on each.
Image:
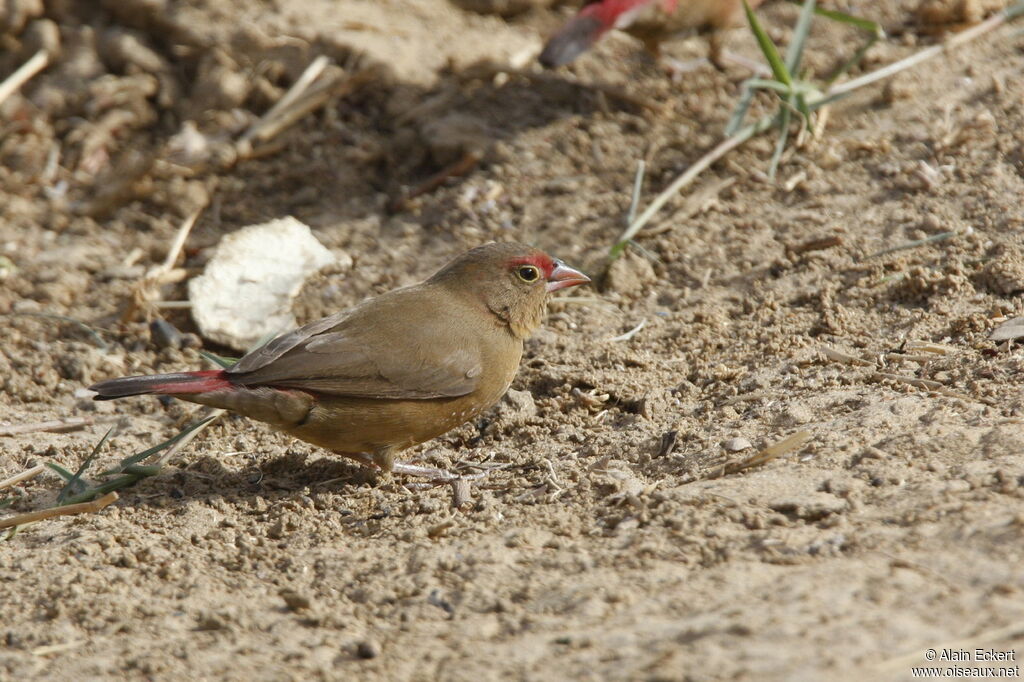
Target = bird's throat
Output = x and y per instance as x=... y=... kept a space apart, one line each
x=521 y=320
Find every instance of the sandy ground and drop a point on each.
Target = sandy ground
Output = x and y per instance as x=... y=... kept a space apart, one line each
x=605 y=543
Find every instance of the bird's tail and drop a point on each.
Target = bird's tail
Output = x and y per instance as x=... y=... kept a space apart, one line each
x=572 y=40
x=169 y=384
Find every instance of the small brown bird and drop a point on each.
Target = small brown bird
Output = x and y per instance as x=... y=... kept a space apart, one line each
x=395 y=370
x=652 y=21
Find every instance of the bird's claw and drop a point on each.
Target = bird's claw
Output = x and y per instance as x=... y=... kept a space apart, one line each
x=436 y=476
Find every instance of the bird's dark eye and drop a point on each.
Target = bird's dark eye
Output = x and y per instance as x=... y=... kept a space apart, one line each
x=528 y=273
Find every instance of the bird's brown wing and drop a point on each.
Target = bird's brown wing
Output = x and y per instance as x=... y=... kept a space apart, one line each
x=387 y=348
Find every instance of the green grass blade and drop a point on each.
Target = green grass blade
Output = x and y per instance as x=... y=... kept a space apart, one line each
x=780 y=144
x=866 y=25
x=638 y=187
x=143 y=470
x=771 y=52
x=219 y=360
x=133 y=472
x=106 y=487
x=851 y=62
x=795 y=51
x=136 y=458
x=75 y=483
x=64 y=473
x=739 y=114
x=820 y=102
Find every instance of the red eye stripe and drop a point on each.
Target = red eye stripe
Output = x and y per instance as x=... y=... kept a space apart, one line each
x=542 y=261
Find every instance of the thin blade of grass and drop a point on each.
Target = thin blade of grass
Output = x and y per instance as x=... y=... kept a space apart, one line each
x=944 y=47
x=720 y=150
x=134 y=472
x=740 y=112
x=61 y=471
x=775 y=86
x=866 y=25
x=145 y=454
x=853 y=60
x=780 y=144
x=219 y=360
x=91 y=331
x=795 y=51
x=771 y=52
x=75 y=483
x=105 y=488
x=638 y=186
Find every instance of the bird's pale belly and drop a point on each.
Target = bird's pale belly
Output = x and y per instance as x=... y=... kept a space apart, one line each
x=367 y=425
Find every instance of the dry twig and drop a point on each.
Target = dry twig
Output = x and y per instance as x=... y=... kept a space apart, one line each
x=838 y=356
x=24 y=74
x=25 y=475
x=67 y=510
x=461 y=167
x=302 y=99
x=630 y=334
x=764 y=456
x=55 y=425
x=147 y=289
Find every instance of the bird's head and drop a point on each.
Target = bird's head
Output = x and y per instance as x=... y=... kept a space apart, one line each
x=512 y=281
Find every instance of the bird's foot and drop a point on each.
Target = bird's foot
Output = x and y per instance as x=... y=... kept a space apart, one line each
x=723 y=59
x=676 y=69
x=434 y=474
x=389 y=465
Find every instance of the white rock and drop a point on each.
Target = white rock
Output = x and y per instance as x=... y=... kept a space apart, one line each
x=245 y=293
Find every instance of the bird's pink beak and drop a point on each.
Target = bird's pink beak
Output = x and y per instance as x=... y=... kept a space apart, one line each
x=563 y=277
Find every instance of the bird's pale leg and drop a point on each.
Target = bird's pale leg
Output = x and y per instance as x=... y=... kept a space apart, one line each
x=721 y=57
x=384 y=460
x=676 y=69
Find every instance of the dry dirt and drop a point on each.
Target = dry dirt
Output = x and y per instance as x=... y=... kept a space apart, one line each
x=603 y=544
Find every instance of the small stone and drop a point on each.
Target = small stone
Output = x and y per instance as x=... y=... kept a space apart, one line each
x=276 y=531
x=736 y=444
x=210 y=621
x=164 y=334
x=295 y=601
x=368 y=648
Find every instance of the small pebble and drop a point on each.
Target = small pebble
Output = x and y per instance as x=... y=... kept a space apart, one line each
x=368 y=648
x=735 y=444
x=210 y=621
x=164 y=334
x=294 y=600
